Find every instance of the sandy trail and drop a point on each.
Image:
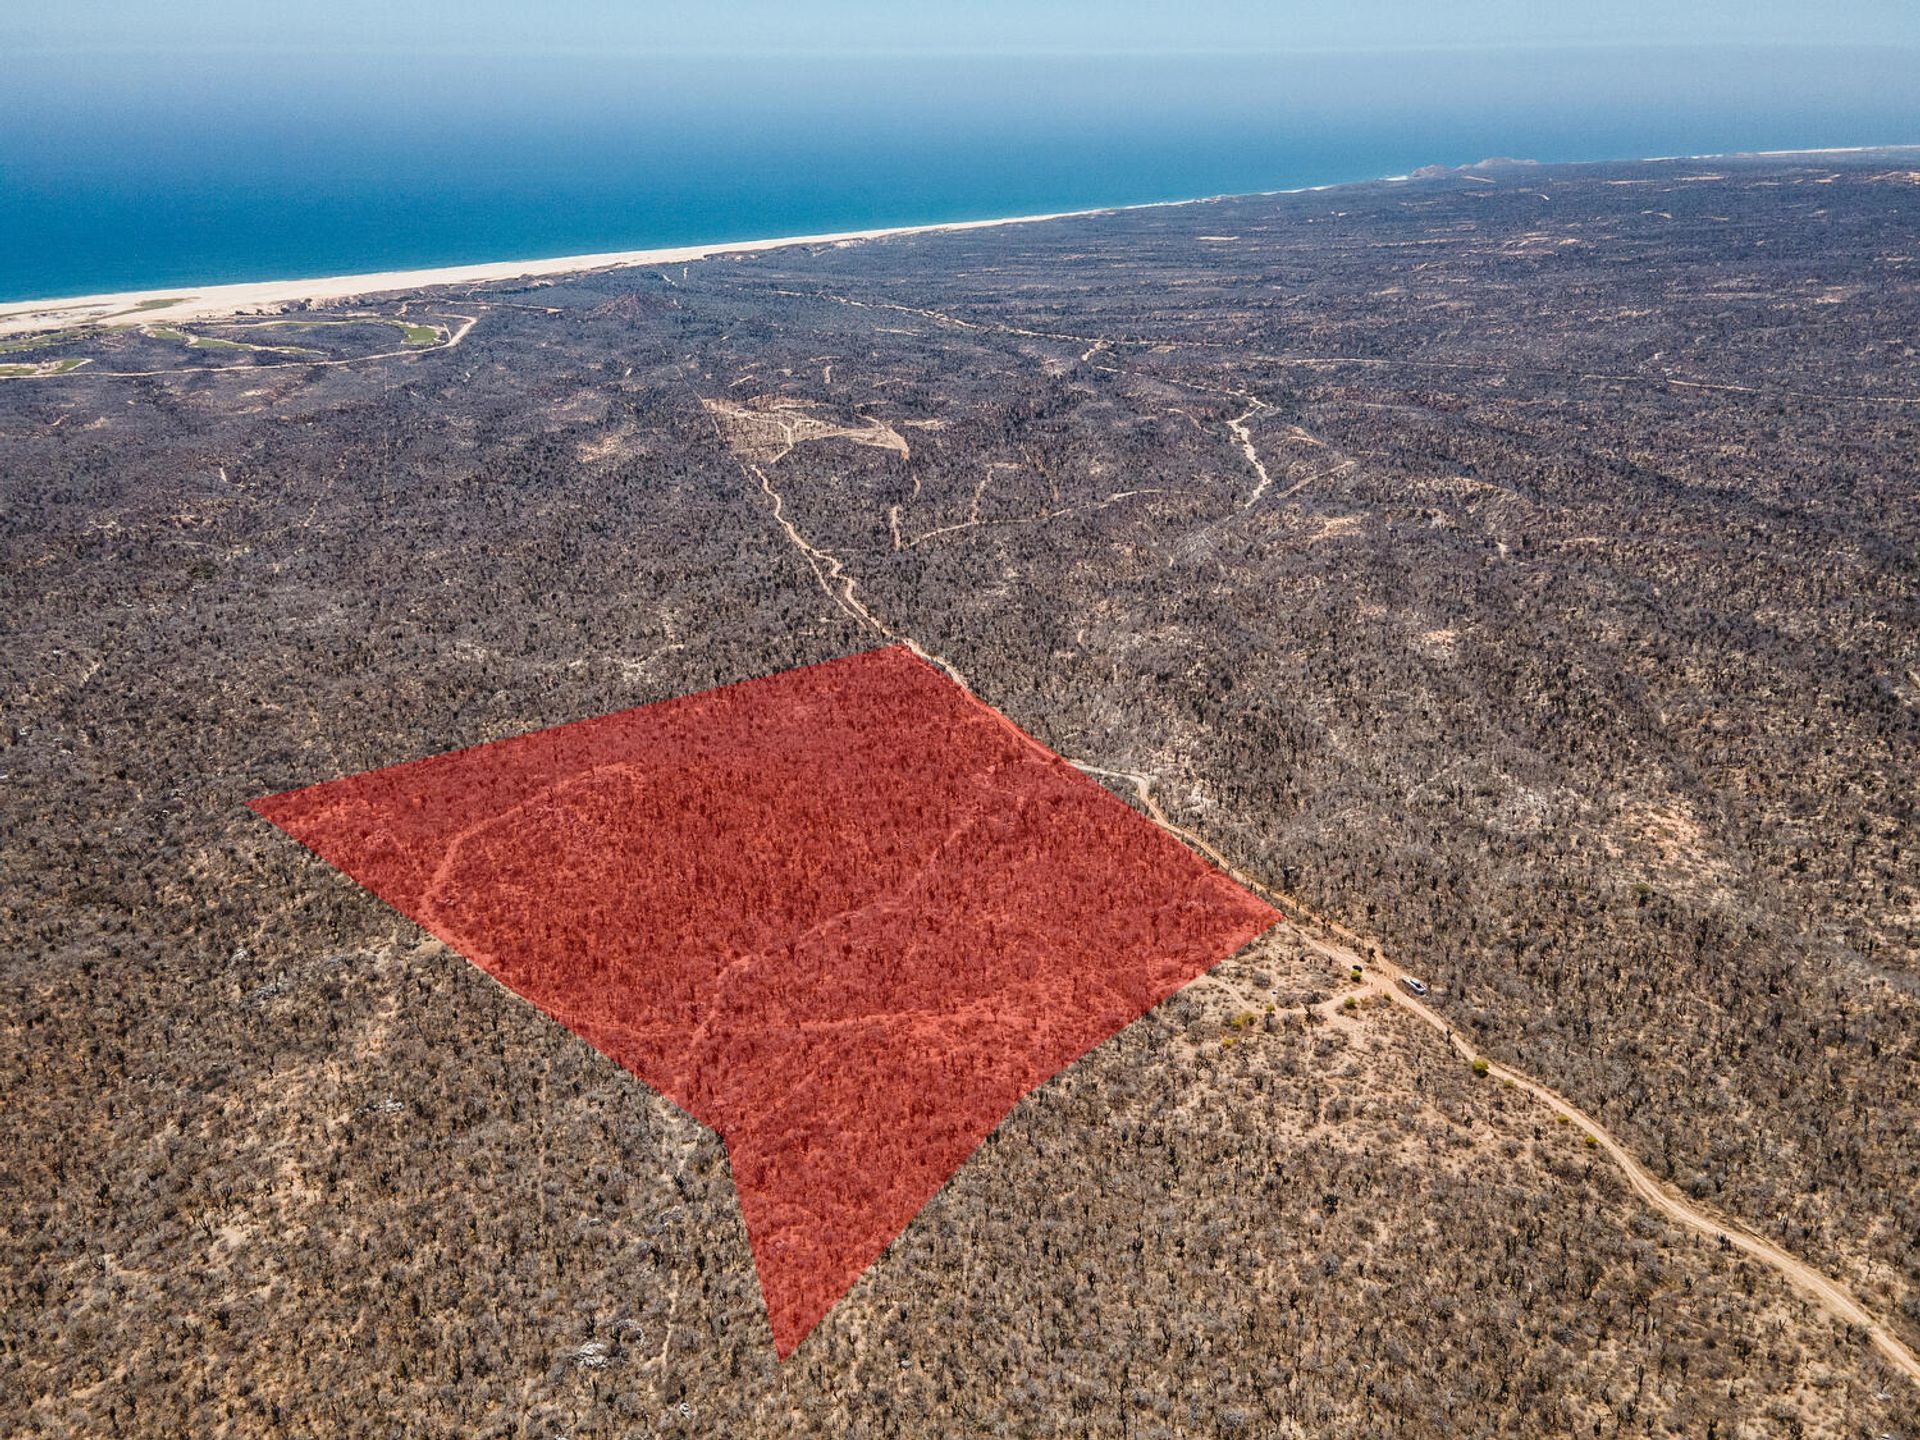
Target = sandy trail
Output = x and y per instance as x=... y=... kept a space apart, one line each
x=1243 y=437
x=1384 y=977
x=839 y=586
x=1339 y=943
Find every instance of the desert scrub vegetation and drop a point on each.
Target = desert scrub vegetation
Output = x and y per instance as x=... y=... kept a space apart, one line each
x=1570 y=656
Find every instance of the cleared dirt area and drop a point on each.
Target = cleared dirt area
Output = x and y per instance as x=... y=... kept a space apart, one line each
x=765 y=430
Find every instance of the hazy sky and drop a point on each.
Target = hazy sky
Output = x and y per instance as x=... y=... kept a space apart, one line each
x=162 y=142
x=845 y=26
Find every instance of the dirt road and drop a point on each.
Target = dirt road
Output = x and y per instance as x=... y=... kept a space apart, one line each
x=1344 y=945
x=1341 y=944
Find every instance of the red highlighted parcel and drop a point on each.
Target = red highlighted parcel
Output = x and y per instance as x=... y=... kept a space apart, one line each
x=847 y=916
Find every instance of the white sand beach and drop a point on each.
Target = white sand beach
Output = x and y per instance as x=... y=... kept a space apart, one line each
x=213 y=301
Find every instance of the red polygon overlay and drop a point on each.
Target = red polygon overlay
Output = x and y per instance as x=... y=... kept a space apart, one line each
x=847 y=916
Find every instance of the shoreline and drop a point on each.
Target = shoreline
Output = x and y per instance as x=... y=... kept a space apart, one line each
x=232 y=298
x=210 y=301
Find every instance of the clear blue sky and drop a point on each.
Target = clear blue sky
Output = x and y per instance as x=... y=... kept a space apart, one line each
x=506 y=27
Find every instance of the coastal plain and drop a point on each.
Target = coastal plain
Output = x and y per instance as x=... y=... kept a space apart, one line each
x=1510 y=573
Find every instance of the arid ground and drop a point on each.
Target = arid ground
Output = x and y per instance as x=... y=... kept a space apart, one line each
x=1510 y=575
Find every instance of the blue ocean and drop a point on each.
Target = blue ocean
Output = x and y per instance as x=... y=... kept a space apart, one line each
x=119 y=175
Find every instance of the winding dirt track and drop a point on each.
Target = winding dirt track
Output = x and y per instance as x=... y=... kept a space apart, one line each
x=1828 y=1294
x=1243 y=437
x=1341 y=944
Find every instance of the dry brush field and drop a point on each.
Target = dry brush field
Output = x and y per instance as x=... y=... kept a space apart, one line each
x=1522 y=574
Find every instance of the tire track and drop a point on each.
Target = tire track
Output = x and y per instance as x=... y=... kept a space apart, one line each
x=1339 y=943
